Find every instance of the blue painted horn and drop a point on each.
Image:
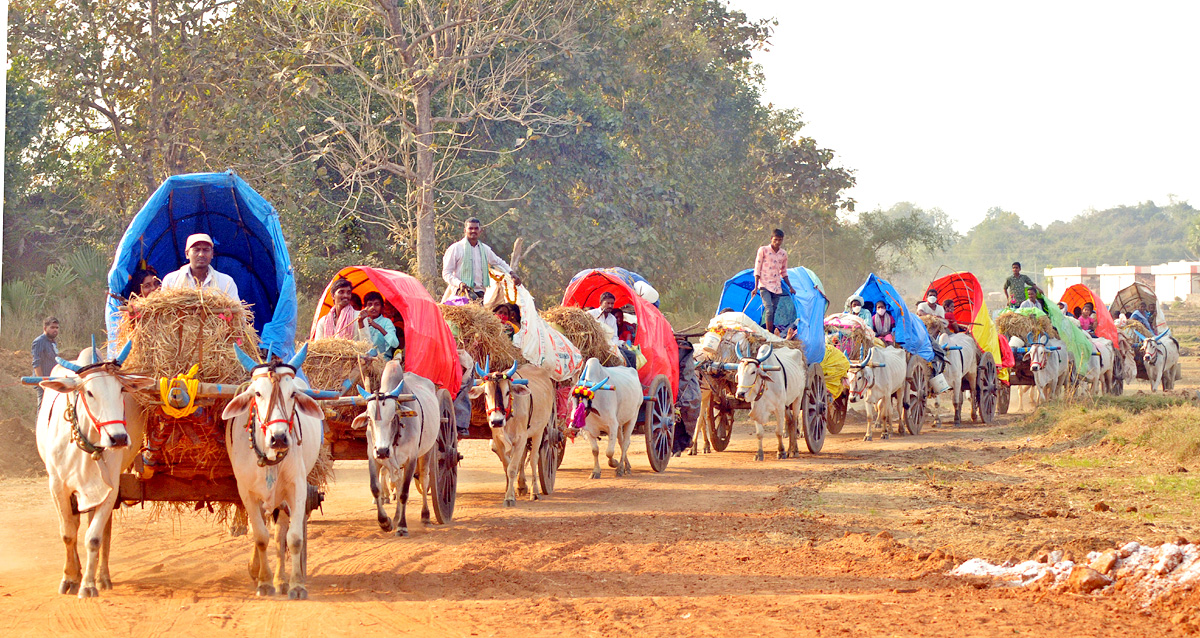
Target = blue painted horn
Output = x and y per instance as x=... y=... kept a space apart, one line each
x=770 y=351
x=599 y=385
x=298 y=359
x=362 y=392
x=395 y=393
x=737 y=347
x=70 y=365
x=512 y=370
x=247 y=362
x=93 y=350
x=124 y=353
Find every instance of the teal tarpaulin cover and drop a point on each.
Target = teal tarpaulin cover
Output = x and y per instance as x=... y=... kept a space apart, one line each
x=249 y=247
x=807 y=309
x=910 y=331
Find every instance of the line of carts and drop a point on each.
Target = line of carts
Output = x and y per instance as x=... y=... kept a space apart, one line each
x=251 y=249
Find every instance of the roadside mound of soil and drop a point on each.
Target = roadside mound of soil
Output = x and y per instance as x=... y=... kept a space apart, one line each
x=19 y=455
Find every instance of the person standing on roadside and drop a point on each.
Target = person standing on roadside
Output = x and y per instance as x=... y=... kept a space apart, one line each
x=770 y=273
x=1015 y=285
x=45 y=351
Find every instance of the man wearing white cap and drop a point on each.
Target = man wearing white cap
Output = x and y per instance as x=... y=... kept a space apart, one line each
x=198 y=273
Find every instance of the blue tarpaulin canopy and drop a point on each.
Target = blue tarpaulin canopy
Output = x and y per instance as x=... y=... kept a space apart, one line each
x=807 y=310
x=910 y=332
x=249 y=247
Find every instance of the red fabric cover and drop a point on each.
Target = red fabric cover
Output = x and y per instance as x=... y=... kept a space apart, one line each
x=1006 y=354
x=1079 y=294
x=654 y=333
x=429 y=345
x=966 y=292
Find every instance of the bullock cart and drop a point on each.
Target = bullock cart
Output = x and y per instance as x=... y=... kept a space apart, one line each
x=911 y=335
x=1047 y=324
x=659 y=375
x=1128 y=300
x=428 y=350
x=186 y=339
x=716 y=363
x=990 y=392
x=1075 y=297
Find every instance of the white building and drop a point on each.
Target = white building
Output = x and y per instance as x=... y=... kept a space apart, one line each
x=1171 y=281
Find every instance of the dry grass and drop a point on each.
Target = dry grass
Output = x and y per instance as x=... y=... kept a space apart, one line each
x=331 y=361
x=1016 y=324
x=481 y=334
x=1166 y=424
x=175 y=328
x=581 y=329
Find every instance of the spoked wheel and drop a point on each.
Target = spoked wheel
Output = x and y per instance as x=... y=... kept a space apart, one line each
x=815 y=409
x=720 y=421
x=837 y=412
x=915 y=390
x=550 y=455
x=1003 y=396
x=986 y=388
x=659 y=423
x=444 y=465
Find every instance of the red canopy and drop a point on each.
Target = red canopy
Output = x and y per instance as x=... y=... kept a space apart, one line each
x=654 y=333
x=1079 y=294
x=430 y=350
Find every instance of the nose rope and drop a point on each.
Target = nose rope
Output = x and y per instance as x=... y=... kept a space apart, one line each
x=71 y=414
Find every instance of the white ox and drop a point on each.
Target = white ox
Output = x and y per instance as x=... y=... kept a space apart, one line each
x=1099 y=376
x=518 y=412
x=1049 y=364
x=771 y=396
x=273 y=437
x=399 y=439
x=606 y=401
x=879 y=380
x=962 y=363
x=1160 y=353
x=88 y=430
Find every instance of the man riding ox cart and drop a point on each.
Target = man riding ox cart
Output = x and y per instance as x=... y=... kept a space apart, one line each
x=976 y=360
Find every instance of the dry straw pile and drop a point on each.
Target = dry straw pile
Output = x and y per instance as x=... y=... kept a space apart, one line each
x=1015 y=324
x=585 y=332
x=481 y=334
x=331 y=362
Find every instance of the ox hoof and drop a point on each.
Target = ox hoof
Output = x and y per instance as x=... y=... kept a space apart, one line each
x=692 y=452
x=298 y=593
x=265 y=589
x=522 y=491
x=759 y=456
x=385 y=523
x=510 y=502
x=425 y=516
x=88 y=592
x=782 y=455
x=68 y=587
x=403 y=531
x=104 y=583
x=885 y=436
x=612 y=462
x=867 y=437
x=596 y=474
x=385 y=500
x=707 y=450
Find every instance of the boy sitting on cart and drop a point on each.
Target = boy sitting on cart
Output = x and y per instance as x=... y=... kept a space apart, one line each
x=378 y=330
x=622 y=330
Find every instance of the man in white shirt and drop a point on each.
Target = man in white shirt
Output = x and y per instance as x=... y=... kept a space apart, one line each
x=931 y=306
x=198 y=273
x=465 y=264
x=1030 y=299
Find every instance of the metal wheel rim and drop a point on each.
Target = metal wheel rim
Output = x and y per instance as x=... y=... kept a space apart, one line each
x=815 y=409
x=986 y=388
x=445 y=467
x=661 y=414
x=550 y=457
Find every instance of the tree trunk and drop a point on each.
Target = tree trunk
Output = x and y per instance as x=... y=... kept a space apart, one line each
x=427 y=270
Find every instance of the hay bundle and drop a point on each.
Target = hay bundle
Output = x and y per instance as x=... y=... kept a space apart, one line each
x=481 y=334
x=1132 y=327
x=1021 y=325
x=934 y=324
x=860 y=342
x=332 y=361
x=585 y=332
x=175 y=328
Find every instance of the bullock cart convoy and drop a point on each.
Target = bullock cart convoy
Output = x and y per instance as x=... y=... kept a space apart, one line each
x=201 y=397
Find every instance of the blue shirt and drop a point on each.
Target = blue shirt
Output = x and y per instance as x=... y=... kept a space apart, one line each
x=385 y=342
x=1141 y=316
x=44 y=352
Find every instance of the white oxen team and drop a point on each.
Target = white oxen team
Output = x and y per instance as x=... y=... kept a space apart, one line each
x=879 y=381
x=606 y=401
x=87 y=433
x=273 y=437
x=772 y=381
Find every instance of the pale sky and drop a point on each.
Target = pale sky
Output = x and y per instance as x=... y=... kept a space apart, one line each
x=1043 y=108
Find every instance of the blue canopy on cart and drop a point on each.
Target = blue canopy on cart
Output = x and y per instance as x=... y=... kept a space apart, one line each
x=806 y=312
x=249 y=247
x=909 y=331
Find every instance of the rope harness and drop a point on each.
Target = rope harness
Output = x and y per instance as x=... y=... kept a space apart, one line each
x=275 y=399
x=762 y=376
x=71 y=412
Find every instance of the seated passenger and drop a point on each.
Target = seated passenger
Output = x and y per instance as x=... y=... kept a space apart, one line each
x=855 y=306
x=952 y=325
x=505 y=313
x=376 y=329
x=339 y=322
x=1087 y=320
x=1030 y=299
x=883 y=324
x=930 y=305
x=1142 y=316
x=198 y=272
x=622 y=332
x=144 y=281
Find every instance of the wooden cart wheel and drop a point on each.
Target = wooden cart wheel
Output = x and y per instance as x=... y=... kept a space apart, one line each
x=986 y=388
x=444 y=462
x=550 y=454
x=915 y=391
x=837 y=412
x=815 y=409
x=658 y=422
x=720 y=421
x=1118 y=383
x=1003 y=396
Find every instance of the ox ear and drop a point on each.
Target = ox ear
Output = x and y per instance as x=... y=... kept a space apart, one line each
x=359 y=422
x=475 y=392
x=308 y=406
x=238 y=406
x=519 y=390
x=135 y=383
x=61 y=384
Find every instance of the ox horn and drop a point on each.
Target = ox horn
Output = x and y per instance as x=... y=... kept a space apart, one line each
x=362 y=392
x=298 y=360
x=599 y=385
x=770 y=351
x=270 y=351
x=124 y=353
x=870 y=353
x=511 y=371
x=70 y=365
x=479 y=372
x=372 y=353
x=247 y=362
x=93 y=350
x=396 y=392
x=737 y=347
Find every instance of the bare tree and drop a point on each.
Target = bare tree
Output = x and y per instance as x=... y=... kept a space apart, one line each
x=406 y=86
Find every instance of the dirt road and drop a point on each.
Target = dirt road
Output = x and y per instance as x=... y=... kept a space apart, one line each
x=854 y=541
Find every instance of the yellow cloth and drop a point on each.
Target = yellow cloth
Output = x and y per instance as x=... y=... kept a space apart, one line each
x=835 y=366
x=190 y=383
x=986 y=334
